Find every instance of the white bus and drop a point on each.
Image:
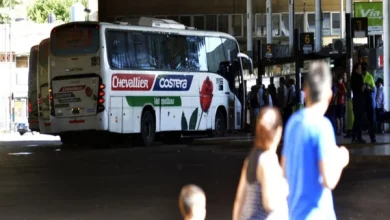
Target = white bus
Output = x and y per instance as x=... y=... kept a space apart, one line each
x=148 y=78
x=32 y=90
x=43 y=87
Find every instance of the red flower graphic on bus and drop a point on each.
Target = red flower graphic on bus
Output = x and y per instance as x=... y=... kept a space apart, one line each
x=206 y=94
x=88 y=91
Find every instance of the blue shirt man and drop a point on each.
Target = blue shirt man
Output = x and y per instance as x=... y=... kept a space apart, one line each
x=311 y=160
x=308 y=199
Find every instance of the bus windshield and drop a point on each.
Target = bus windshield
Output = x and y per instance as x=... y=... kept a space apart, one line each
x=43 y=54
x=75 y=40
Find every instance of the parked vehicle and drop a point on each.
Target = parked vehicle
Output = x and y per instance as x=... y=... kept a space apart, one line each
x=22 y=128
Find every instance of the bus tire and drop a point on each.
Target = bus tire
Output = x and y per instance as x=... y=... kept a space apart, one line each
x=148 y=128
x=220 y=124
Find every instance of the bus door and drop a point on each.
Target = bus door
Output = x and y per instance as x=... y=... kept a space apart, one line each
x=233 y=91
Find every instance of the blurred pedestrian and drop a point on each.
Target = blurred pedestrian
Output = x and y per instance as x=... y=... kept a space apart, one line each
x=369 y=98
x=262 y=190
x=340 y=104
x=255 y=106
x=380 y=104
x=357 y=86
x=192 y=203
x=311 y=160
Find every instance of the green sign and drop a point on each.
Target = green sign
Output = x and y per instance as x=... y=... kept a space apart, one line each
x=373 y=11
x=139 y=101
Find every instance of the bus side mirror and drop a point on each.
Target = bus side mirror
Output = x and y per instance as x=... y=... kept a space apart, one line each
x=246 y=57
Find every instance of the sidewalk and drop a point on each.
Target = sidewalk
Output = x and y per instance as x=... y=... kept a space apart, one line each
x=245 y=137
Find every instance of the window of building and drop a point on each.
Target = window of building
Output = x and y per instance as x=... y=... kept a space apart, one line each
x=199 y=22
x=311 y=22
x=276 y=24
x=174 y=18
x=236 y=25
x=211 y=22
x=223 y=23
x=284 y=25
x=22 y=62
x=336 y=23
x=245 y=29
x=326 y=24
x=299 y=22
x=260 y=25
x=186 y=20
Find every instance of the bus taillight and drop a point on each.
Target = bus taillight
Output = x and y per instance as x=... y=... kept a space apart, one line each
x=100 y=106
x=52 y=113
x=29 y=107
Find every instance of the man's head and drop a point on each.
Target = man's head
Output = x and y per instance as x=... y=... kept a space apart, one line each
x=364 y=68
x=268 y=129
x=379 y=82
x=357 y=68
x=291 y=82
x=192 y=202
x=282 y=81
x=318 y=85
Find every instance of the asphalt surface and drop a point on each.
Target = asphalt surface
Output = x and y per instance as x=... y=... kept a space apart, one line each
x=43 y=179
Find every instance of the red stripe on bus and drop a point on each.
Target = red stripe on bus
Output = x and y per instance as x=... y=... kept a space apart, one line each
x=77 y=121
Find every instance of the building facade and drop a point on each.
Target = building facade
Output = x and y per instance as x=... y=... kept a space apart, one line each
x=17 y=38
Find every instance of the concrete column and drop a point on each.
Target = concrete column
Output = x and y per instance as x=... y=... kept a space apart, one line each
x=342 y=20
x=318 y=34
x=386 y=55
x=249 y=28
x=291 y=25
x=268 y=6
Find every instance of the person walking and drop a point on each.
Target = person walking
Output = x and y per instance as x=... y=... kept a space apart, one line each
x=262 y=190
x=369 y=98
x=340 y=104
x=357 y=86
x=311 y=160
x=380 y=104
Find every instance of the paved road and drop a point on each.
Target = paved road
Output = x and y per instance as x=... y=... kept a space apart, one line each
x=45 y=180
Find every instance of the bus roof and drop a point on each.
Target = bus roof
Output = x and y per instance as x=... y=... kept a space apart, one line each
x=136 y=27
x=34 y=48
x=45 y=41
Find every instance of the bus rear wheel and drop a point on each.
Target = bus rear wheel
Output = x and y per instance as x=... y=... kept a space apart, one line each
x=220 y=125
x=148 y=128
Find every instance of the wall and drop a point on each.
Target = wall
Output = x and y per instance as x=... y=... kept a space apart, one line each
x=109 y=8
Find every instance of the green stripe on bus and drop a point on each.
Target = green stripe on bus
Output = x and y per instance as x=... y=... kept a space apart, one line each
x=137 y=101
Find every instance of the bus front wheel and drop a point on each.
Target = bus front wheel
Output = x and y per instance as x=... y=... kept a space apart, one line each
x=148 y=128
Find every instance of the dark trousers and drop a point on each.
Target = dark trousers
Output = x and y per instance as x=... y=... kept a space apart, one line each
x=358 y=112
x=371 y=121
x=379 y=112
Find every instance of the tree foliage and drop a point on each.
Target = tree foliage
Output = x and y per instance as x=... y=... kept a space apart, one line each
x=4 y=6
x=39 y=12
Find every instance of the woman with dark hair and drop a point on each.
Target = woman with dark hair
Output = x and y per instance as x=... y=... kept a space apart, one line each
x=357 y=86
